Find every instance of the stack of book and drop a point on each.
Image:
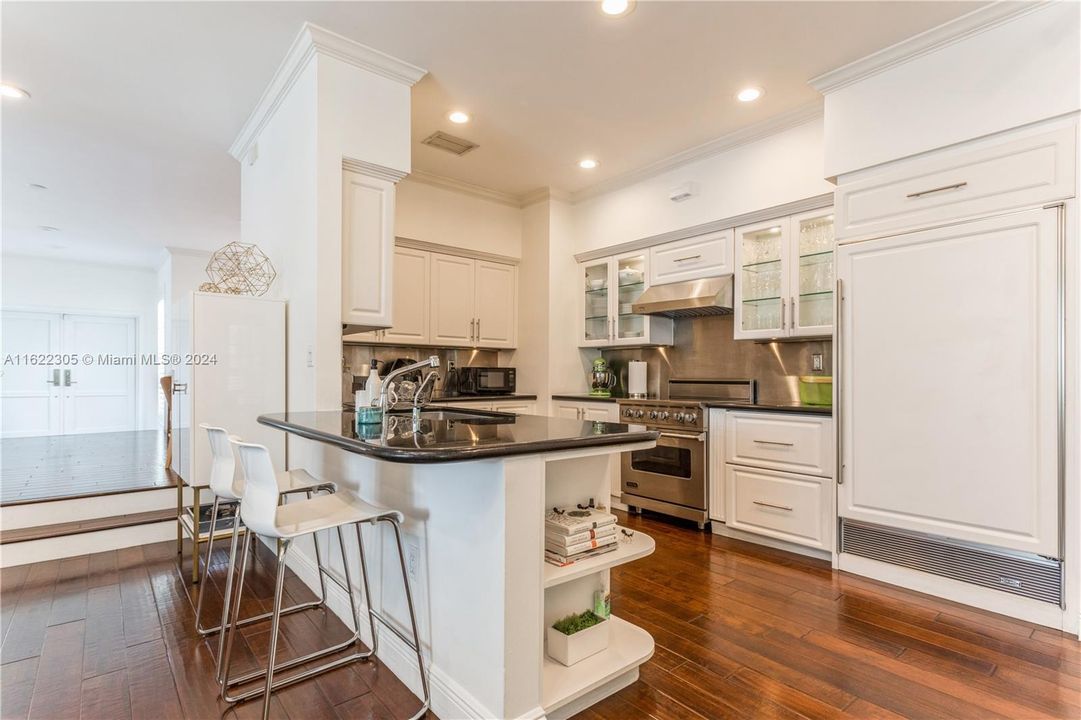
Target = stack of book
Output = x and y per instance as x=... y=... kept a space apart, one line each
x=573 y=534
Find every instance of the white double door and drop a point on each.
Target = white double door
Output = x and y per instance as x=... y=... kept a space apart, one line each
x=49 y=388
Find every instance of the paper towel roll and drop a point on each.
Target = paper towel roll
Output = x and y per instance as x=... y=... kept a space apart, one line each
x=636 y=378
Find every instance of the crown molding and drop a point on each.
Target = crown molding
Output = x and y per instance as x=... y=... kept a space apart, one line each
x=466 y=188
x=772 y=126
x=415 y=244
x=955 y=30
x=313 y=40
x=543 y=194
x=374 y=170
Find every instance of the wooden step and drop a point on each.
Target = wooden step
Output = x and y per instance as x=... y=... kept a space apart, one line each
x=42 y=532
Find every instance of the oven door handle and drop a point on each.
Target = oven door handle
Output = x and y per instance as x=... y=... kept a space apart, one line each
x=684 y=436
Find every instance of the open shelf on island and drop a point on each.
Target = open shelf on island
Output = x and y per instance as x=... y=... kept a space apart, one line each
x=628 y=647
x=639 y=545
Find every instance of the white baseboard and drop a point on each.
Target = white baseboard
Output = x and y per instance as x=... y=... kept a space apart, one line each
x=450 y=701
x=993 y=600
x=719 y=528
x=56 y=548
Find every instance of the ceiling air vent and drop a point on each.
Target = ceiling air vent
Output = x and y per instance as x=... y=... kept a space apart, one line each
x=443 y=141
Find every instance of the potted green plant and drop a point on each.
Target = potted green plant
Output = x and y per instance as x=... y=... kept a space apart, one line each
x=576 y=637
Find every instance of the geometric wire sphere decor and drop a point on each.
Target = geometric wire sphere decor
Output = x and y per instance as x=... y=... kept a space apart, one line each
x=239 y=269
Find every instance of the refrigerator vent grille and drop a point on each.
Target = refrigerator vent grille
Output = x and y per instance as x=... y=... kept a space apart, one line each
x=1027 y=575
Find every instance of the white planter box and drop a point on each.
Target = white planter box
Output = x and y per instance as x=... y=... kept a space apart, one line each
x=569 y=649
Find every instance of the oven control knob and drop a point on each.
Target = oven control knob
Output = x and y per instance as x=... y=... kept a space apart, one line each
x=628 y=413
x=690 y=418
x=652 y=414
x=638 y=413
x=679 y=417
x=663 y=415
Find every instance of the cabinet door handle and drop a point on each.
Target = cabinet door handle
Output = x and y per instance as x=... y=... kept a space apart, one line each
x=771 y=505
x=472 y=330
x=921 y=193
x=774 y=442
x=478 y=329
x=792 y=309
x=56 y=377
x=838 y=349
x=783 y=323
x=689 y=257
x=68 y=382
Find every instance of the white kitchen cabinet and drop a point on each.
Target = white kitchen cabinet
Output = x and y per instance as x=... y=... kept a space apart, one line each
x=772 y=474
x=367 y=250
x=947 y=368
x=786 y=506
x=715 y=460
x=453 y=321
x=473 y=302
x=496 y=305
x=1020 y=169
x=784 y=283
x=412 y=280
x=595 y=411
x=702 y=256
x=519 y=407
x=609 y=287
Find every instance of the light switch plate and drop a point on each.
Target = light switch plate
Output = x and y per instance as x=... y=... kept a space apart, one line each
x=816 y=361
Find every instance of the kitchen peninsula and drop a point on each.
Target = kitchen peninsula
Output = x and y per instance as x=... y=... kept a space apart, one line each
x=474 y=487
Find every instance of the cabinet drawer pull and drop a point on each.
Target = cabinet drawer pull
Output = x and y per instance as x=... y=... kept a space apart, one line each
x=774 y=442
x=921 y=193
x=689 y=257
x=771 y=505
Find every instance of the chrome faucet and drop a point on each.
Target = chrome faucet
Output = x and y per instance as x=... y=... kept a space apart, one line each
x=433 y=361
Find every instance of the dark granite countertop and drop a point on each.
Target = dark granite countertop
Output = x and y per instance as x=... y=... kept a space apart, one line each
x=449 y=435
x=771 y=407
x=584 y=397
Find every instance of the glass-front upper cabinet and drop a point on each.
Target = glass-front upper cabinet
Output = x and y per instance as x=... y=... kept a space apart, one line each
x=812 y=270
x=610 y=286
x=784 y=278
x=761 y=285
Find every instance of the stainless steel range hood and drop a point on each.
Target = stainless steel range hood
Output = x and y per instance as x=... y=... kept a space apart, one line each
x=694 y=298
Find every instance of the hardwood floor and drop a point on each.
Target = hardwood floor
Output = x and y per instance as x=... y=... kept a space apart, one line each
x=59 y=467
x=742 y=632
x=111 y=636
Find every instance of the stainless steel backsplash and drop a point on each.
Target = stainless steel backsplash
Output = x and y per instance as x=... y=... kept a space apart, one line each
x=704 y=348
x=358 y=357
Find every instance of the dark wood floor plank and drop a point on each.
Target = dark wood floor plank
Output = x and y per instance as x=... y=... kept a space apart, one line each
x=17 y=688
x=151 y=688
x=364 y=707
x=101 y=569
x=69 y=595
x=104 y=648
x=28 y=622
x=60 y=673
x=141 y=621
x=105 y=697
x=655 y=703
x=751 y=681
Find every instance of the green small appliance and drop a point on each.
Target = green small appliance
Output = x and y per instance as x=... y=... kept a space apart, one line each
x=601 y=379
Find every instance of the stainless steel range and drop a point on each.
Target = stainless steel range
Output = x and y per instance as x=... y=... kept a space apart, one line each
x=673 y=477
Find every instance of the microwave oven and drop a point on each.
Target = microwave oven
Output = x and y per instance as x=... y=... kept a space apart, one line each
x=486 y=381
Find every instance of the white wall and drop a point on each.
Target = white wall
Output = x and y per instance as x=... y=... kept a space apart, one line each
x=774 y=170
x=1013 y=74
x=449 y=217
x=56 y=285
x=534 y=289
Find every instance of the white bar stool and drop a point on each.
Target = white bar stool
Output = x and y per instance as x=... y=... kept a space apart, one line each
x=263 y=516
x=226 y=486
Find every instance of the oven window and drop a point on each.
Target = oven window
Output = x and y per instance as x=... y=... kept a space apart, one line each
x=671 y=461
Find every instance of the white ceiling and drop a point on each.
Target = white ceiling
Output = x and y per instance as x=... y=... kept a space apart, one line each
x=135 y=104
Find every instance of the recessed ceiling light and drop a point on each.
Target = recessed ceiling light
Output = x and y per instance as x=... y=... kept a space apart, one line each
x=458 y=117
x=616 y=8
x=48 y=228
x=750 y=94
x=13 y=92
x=37 y=186
x=588 y=164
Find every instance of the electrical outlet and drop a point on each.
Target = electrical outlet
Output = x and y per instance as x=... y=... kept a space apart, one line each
x=311 y=356
x=816 y=361
x=412 y=561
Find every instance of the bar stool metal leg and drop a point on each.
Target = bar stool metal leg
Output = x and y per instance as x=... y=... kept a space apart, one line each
x=367 y=589
x=230 y=627
x=206 y=567
x=227 y=598
x=319 y=564
x=275 y=621
x=412 y=618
